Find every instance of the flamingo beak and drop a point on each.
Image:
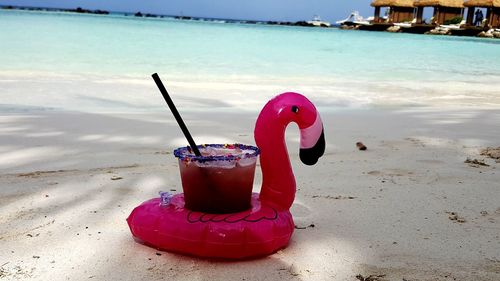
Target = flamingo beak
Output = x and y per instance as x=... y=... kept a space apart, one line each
x=312 y=143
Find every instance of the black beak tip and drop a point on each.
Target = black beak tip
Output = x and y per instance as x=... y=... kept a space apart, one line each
x=310 y=156
x=308 y=160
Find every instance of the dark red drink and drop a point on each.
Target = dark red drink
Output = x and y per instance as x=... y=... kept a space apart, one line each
x=221 y=180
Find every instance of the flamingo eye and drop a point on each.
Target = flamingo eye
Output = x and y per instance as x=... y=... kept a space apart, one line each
x=295 y=109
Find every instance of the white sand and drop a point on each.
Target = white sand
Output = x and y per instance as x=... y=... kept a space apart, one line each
x=63 y=217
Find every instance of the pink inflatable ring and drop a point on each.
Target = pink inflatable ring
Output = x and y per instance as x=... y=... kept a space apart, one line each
x=268 y=225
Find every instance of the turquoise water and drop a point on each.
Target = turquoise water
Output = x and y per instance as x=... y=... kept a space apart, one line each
x=115 y=45
x=101 y=62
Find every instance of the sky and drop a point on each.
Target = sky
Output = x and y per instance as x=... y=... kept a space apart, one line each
x=279 y=10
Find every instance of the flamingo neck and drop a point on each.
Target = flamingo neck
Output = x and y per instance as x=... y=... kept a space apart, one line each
x=278 y=181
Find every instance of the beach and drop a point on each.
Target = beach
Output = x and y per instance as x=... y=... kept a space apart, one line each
x=83 y=143
x=67 y=190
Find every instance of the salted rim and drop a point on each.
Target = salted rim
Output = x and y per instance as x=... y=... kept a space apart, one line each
x=185 y=152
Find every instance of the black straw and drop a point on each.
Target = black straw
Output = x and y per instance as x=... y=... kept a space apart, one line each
x=176 y=114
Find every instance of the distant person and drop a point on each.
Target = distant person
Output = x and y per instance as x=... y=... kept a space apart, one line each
x=479 y=17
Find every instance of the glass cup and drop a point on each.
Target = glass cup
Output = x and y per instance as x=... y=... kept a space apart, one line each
x=221 y=180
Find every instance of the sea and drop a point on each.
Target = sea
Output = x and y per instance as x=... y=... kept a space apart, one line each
x=100 y=63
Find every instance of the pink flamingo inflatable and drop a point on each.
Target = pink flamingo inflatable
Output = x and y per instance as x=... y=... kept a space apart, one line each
x=268 y=225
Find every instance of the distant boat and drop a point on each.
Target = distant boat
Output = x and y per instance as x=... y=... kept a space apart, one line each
x=355 y=19
x=316 y=21
x=405 y=24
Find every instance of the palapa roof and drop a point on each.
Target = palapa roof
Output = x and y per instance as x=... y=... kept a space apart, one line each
x=442 y=3
x=393 y=3
x=482 y=3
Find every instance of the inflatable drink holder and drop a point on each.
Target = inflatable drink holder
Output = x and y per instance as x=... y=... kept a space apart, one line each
x=218 y=216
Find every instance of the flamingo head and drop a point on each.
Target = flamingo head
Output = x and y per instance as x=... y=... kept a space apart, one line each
x=296 y=108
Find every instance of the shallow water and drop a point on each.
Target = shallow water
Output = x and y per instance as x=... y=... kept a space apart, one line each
x=237 y=61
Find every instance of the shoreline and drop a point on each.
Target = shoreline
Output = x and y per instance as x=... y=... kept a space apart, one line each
x=483 y=36
x=117 y=93
x=81 y=11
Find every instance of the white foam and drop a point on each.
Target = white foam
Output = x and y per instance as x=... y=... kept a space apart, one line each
x=111 y=94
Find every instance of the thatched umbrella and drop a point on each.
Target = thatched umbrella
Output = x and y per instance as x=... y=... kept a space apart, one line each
x=439 y=3
x=399 y=9
x=482 y=3
x=393 y=3
x=492 y=14
x=443 y=9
